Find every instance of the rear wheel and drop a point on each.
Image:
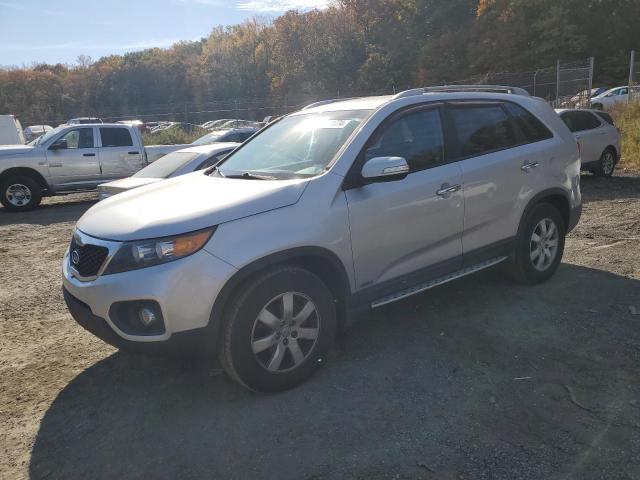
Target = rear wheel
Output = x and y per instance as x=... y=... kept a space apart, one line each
x=20 y=193
x=607 y=164
x=278 y=329
x=539 y=246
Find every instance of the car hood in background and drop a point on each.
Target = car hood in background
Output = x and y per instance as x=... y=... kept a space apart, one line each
x=184 y=204
x=14 y=149
x=125 y=184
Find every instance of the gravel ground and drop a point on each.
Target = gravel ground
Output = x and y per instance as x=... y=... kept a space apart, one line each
x=478 y=379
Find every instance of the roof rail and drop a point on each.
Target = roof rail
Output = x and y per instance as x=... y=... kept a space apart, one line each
x=326 y=102
x=463 y=88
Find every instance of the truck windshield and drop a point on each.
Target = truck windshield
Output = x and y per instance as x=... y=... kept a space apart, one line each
x=298 y=146
x=46 y=136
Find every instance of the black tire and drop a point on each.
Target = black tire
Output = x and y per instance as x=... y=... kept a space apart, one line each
x=597 y=106
x=29 y=190
x=522 y=266
x=607 y=164
x=240 y=326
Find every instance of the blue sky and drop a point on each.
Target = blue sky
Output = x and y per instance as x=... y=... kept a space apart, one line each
x=60 y=30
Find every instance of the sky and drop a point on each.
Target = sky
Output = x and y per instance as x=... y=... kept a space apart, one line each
x=53 y=31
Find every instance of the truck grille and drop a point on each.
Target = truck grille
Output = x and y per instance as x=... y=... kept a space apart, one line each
x=87 y=259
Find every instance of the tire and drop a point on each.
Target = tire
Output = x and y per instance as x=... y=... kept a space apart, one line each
x=20 y=193
x=259 y=349
x=525 y=266
x=607 y=164
x=597 y=106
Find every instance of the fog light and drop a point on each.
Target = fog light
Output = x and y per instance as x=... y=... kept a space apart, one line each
x=146 y=316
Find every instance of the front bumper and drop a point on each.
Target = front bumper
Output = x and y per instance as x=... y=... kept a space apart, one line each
x=185 y=291
x=192 y=342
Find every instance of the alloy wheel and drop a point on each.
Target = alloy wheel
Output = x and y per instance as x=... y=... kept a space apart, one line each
x=285 y=332
x=544 y=244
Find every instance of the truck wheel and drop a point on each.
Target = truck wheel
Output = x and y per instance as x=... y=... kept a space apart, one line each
x=277 y=329
x=20 y=193
x=539 y=246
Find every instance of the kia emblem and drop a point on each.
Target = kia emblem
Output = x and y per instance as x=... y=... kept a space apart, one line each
x=75 y=257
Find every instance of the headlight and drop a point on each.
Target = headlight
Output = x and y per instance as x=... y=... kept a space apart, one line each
x=146 y=253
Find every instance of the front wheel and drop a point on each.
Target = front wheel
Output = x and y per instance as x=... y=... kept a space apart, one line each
x=20 y=193
x=539 y=246
x=277 y=329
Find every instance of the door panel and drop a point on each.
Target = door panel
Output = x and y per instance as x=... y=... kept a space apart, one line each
x=78 y=164
x=402 y=226
x=118 y=156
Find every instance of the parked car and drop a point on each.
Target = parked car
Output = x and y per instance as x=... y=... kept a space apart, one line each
x=84 y=120
x=171 y=165
x=71 y=158
x=348 y=205
x=11 y=132
x=583 y=98
x=238 y=135
x=34 y=131
x=612 y=97
x=598 y=137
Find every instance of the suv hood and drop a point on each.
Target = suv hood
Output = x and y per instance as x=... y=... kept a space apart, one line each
x=6 y=150
x=184 y=204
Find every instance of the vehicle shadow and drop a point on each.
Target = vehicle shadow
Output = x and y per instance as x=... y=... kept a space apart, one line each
x=49 y=213
x=467 y=379
x=595 y=189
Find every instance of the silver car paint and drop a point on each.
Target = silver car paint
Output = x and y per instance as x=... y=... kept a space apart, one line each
x=256 y=218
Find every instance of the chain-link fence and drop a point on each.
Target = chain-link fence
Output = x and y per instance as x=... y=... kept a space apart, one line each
x=566 y=85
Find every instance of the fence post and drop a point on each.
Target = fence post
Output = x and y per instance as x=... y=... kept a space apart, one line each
x=557 y=81
x=590 y=86
x=631 y=68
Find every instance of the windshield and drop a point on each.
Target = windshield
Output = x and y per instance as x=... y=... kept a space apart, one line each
x=45 y=137
x=209 y=138
x=165 y=166
x=297 y=146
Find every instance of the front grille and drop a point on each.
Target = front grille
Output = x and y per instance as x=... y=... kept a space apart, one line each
x=87 y=259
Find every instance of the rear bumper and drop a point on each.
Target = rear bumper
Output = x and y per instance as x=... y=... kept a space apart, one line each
x=188 y=343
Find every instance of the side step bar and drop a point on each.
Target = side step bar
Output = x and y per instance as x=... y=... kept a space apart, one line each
x=421 y=287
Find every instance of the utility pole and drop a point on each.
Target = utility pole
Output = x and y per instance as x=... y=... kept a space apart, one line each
x=591 y=64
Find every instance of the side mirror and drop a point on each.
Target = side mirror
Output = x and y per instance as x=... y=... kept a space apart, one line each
x=385 y=168
x=60 y=144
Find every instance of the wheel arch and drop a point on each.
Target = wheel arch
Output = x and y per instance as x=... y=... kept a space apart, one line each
x=554 y=196
x=320 y=261
x=26 y=171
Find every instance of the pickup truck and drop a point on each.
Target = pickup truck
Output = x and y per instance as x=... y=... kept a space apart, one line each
x=72 y=158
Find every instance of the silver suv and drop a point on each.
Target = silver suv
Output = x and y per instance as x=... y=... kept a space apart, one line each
x=339 y=206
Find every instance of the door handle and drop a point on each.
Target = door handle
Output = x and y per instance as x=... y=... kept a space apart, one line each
x=88 y=154
x=133 y=153
x=528 y=166
x=446 y=189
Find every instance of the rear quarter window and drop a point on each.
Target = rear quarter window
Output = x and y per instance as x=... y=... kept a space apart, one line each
x=606 y=117
x=532 y=129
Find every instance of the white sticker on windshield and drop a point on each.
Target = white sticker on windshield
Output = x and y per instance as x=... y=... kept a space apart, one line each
x=334 y=123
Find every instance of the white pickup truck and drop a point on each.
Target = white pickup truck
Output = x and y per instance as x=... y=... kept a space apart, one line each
x=72 y=158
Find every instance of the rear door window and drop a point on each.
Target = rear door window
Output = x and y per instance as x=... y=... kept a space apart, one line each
x=115 y=137
x=415 y=136
x=481 y=129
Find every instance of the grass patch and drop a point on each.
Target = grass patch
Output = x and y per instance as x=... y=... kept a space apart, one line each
x=173 y=136
x=627 y=119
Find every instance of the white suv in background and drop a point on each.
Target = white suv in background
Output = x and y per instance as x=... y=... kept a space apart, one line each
x=598 y=137
x=608 y=99
x=342 y=206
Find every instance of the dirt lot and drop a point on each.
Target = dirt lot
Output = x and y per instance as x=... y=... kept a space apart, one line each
x=479 y=379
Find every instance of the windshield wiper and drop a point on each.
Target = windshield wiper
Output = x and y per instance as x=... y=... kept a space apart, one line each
x=249 y=176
